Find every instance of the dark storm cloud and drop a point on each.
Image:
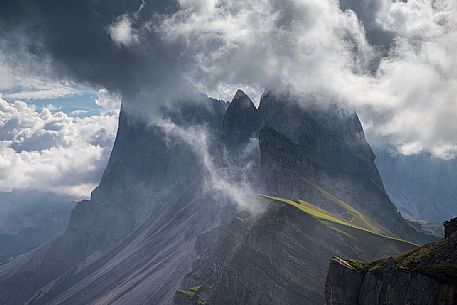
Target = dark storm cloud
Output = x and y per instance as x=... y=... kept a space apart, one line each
x=75 y=35
x=84 y=41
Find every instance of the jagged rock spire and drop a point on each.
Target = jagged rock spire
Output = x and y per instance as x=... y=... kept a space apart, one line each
x=241 y=121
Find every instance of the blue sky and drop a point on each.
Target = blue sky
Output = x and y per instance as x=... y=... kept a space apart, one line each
x=80 y=103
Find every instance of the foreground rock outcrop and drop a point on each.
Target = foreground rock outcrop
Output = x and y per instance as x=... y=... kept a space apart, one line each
x=425 y=276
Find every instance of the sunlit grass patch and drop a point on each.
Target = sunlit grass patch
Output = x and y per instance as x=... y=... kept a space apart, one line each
x=325 y=216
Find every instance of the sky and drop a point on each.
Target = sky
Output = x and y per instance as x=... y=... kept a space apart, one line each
x=65 y=67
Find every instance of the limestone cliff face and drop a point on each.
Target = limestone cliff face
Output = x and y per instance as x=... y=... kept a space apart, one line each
x=425 y=276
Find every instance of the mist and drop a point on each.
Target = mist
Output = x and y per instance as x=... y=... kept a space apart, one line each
x=230 y=182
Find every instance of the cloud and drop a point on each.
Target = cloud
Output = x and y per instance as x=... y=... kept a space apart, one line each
x=23 y=78
x=43 y=93
x=218 y=180
x=122 y=33
x=110 y=103
x=390 y=60
x=95 y=43
x=417 y=83
x=368 y=12
x=315 y=48
x=51 y=151
x=264 y=44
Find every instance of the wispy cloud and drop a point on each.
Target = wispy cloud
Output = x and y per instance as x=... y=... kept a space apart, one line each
x=43 y=93
x=218 y=180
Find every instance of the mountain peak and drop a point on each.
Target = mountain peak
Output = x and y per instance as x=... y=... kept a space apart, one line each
x=240 y=121
x=240 y=92
x=242 y=99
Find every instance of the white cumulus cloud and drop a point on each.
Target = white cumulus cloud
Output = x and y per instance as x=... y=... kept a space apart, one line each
x=51 y=151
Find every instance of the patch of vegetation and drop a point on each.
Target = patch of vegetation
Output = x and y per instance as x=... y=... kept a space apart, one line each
x=358 y=265
x=193 y=295
x=377 y=266
x=309 y=208
x=424 y=253
x=361 y=266
x=357 y=217
x=321 y=214
x=189 y=294
x=444 y=273
x=426 y=260
x=195 y=289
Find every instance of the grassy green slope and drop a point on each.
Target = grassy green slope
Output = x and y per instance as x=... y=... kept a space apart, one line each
x=357 y=218
x=331 y=219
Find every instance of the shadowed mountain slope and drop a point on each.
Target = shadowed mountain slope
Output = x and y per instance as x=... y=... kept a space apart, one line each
x=280 y=258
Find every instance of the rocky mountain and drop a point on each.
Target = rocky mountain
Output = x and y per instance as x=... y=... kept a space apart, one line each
x=426 y=275
x=281 y=256
x=421 y=186
x=177 y=208
x=137 y=230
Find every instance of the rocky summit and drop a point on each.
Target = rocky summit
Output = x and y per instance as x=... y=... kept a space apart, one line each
x=216 y=204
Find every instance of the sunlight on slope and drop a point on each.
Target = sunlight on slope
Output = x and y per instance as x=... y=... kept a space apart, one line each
x=358 y=218
x=323 y=215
